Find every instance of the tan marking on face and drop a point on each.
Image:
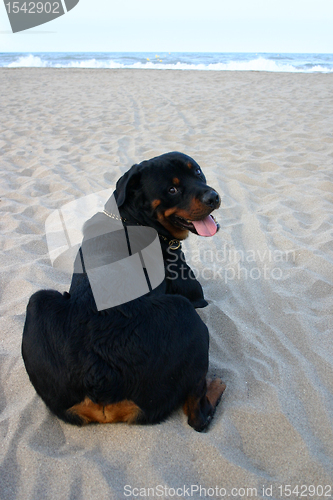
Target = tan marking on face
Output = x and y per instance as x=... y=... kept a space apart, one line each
x=170 y=211
x=176 y=232
x=176 y=181
x=196 y=211
x=189 y=164
x=155 y=203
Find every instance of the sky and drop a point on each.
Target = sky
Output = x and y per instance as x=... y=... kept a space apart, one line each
x=180 y=26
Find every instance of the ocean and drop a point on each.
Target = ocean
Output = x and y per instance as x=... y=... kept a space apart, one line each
x=212 y=61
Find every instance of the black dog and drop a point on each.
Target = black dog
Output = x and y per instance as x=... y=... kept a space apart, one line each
x=139 y=361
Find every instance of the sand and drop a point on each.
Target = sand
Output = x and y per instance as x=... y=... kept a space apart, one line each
x=265 y=142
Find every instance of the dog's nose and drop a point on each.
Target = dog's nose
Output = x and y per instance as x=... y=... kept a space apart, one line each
x=211 y=199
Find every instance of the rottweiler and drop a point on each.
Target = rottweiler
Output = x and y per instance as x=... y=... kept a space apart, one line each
x=141 y=360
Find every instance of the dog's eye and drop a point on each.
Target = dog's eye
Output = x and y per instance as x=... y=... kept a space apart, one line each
x=173 y=190
x=198 y=171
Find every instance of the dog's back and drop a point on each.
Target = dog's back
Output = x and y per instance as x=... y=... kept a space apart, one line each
x=72 y=352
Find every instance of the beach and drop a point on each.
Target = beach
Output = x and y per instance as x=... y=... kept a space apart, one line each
x=265 y=143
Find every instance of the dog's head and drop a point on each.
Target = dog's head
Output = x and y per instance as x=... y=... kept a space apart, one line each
x=169 y=191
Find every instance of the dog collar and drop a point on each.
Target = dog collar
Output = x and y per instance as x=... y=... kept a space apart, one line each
x=173 y=244
x=113 y=216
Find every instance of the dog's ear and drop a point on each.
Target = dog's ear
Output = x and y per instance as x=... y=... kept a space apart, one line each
x=130 y=179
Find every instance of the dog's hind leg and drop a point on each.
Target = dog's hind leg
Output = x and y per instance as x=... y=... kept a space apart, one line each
x=123 y=411
x=200 y=405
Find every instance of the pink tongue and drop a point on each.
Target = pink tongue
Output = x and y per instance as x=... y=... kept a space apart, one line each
x=206 y=227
